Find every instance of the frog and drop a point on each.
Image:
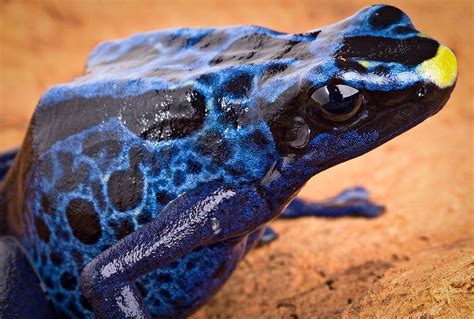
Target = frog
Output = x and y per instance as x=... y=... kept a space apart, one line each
x=142 y=184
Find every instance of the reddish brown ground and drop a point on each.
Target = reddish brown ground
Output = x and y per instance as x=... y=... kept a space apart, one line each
x=417 y=260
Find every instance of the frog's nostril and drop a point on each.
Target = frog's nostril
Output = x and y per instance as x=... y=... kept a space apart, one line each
x=421 y=92
x=440 y=69
x=385 y=16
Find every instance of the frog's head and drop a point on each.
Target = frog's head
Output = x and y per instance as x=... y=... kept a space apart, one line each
x=374 y=77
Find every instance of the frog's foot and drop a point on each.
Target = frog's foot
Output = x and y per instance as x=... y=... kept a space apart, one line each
x=22 y=295
x=350 y=202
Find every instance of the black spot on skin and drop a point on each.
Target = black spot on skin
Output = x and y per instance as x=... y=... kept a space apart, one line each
x=165 y=294
x=42 y=229
x=286 y=49
x=44 y=259
x=109 y=148
x=213 y=40
x=104 y=247
x=157 y=302
x=163 y=198
x=85 y=303
x=125 y=189
x=72 y=307
x=59 y=297
x=235 y=170
x=251 y=47
x=46 y=167
x=208 y=79
x=179 y=178
x=56 y=258
x=122 y=228
x=220 y=271
x=385 y=17
x=63 y=235
x=181 y=116
x=68 y=281
x=193 y=166
x=48 y=281
x=239 y=85
x=164 y=278
x=84 y=221
x=143 y=291
x=144 y=217
x=190 y=265
x=212 y=144
x=410 y=51
x=259 y=138
x=404 y=30
x=381 y=70
x=216 y=61
x=156 y=164
x=66 y=160
x=72 y=179
x=192 y=41
x=273 y=70
x=78 y=258
x=138 y=155
x=46 y=205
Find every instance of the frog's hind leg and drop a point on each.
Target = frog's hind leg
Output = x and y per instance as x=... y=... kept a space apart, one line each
x=350 y=202
x=21 y=295
x=6 y=161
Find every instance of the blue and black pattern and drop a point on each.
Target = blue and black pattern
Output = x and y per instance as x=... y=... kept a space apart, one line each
x=159 y=115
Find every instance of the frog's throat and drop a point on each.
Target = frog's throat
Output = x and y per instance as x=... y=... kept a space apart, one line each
x=440 y=69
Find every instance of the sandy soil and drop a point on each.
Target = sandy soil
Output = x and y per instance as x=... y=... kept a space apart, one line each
x=415 y=261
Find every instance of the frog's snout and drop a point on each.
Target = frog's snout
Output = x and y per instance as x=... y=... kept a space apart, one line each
x=441 y=69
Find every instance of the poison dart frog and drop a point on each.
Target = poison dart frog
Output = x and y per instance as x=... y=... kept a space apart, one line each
x=141 y=184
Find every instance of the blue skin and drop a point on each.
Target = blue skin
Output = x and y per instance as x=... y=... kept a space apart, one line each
x=146 y=214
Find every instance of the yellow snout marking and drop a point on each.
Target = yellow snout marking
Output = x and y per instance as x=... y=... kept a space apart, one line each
x=441 y=69
x=365 y=64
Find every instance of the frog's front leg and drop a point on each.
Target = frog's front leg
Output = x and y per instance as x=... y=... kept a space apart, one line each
x=210 y=214
x=21 y=293
x=350 y=202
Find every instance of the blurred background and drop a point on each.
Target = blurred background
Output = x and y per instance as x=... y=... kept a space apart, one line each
x=416 y=260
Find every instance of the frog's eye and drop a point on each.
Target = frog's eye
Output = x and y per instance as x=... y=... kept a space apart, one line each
x=337 y=102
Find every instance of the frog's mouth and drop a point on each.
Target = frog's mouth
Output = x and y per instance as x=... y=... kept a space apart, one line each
x=392 y=113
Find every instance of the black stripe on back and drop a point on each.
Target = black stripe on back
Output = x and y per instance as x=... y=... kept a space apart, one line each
x=410 y=51
x=154 y=115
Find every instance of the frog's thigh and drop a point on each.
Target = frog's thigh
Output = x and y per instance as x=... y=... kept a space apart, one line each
x=177 y=290
x=21 y=295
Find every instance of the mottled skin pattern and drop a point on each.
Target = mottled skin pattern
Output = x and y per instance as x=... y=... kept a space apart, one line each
x=221 y=118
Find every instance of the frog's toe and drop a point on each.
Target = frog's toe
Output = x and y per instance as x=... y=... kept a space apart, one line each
x=350 y=202
x=353 y=193
x=268 y=236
